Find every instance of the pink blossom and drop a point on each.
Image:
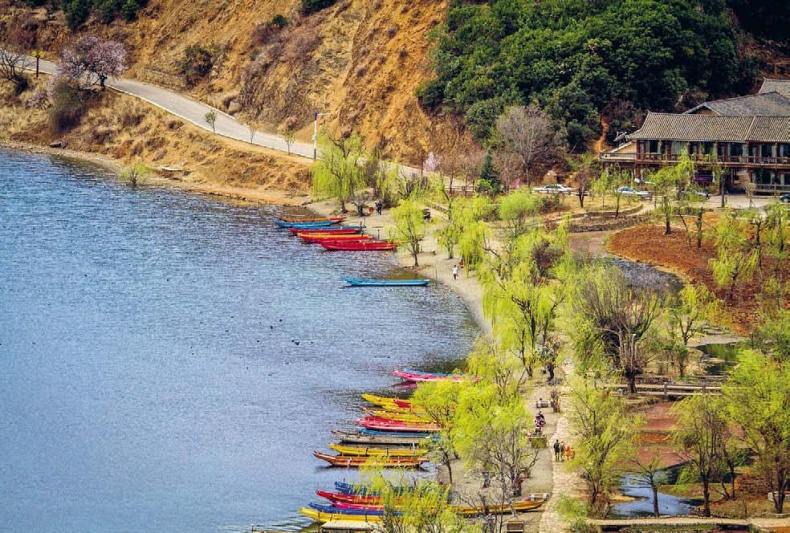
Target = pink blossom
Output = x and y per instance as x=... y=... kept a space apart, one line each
x=93 y=60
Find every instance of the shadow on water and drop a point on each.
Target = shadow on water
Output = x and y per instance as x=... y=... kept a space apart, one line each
x=632 y=485
x=720 y=358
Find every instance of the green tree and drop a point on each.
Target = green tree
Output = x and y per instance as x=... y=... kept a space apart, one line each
x=701 y=428
x=339 y=173
x=518 y=210
x=410 y=227
x=612 y=317
x=211 y=120
x=737 y=256
x=757 y=396
x=604 y=434
x=439 y=401
x=666 y=183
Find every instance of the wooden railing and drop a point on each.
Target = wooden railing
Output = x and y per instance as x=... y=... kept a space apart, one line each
x=649 y=157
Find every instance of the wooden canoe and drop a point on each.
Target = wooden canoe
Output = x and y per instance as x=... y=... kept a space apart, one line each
x=335 y=497
x=362 y=438
x=360 y=246
x=385 y=424
x=520 y=506
x=381 y=401
x=348 y=509
x=367 y=282
x=304 y=220
x=369 y=451
x=348 y=461
x=329 y=236
x=396 y=415
x=390 y=433
x=321 y=517
x=303 y=225
x=340 y=230
x=416 y=376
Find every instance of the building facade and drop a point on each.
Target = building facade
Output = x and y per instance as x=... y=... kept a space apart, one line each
x=744 y=140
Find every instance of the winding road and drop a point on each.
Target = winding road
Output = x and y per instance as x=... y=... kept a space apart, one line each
x=192 y=111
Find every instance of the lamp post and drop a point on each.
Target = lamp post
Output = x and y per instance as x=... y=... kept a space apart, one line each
x=38 y=54
x=315 y=135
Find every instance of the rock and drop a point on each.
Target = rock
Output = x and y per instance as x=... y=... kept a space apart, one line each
x=57 y=144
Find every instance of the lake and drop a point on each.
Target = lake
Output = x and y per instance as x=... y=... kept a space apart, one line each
x=170 y=361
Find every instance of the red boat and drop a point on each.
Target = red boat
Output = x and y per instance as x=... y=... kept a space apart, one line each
x=339 y=497
x=321 y=237
x=385 y=424
x=351 y=230
x=415 y=376
x=359 y=246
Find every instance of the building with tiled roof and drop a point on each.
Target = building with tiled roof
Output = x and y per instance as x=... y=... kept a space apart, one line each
x=748 y=137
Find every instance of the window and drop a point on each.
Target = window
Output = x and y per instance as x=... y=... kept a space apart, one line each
x=767 y=150
x=784 y=150
x=736 y=149
x=652 y=147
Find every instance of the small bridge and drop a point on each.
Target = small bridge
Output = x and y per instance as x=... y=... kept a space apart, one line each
x=670 y=390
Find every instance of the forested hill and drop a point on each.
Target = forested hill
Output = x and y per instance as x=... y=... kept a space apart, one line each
x=405 y=74
x=583 y=60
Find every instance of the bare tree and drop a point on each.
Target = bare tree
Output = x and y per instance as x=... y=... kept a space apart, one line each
x=527 y=134
x=11 y=64
x=288 y=131
x=93 y=60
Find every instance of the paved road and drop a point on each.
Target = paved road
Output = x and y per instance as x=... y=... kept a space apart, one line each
x=192 y=111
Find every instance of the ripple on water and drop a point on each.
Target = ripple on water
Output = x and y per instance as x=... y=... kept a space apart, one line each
x=170 y=362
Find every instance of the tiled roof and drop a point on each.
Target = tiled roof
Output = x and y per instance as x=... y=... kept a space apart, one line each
x=780 y=86
x=767 y=104
x=685 y=127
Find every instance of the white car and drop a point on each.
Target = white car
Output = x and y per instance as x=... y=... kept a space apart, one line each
x=630 y=191
x=553 y=188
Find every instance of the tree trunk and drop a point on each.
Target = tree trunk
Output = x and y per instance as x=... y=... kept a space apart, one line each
x=655 y=500
x=781 y=487
x=706 y=496
x=631 y=383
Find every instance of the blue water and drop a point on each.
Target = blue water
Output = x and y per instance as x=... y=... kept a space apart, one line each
x=169 y=362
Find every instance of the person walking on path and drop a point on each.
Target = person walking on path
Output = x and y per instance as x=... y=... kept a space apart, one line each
x=556 y=450
x=455 y=271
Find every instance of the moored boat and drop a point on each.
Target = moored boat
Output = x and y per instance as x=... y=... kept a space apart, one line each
x=322 y=517
x=417 y=376
x=334 y=220
x=385 y=424
x=303 y=225
x=381 y=401
x=360 y=246
x=370 y=451
x=339 y=230
x=362 y=438
x=397 y=415
x=366 y=282
x=348 y=509
x=349 y=461
x=389 y=433
x=531 y=503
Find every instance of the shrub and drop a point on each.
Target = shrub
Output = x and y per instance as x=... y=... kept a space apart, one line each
x=197 y=62
x=76 y=12
x=69 y=103
x=280 y=21
x=135 y=174
x=430 y=94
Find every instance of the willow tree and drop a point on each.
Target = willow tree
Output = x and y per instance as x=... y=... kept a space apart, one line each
x=339 y=172
x=519 y=210
x=686 y=315
x=612 y=317
x=410 y=227
x=737 y=255
x=666 y=183
x=439 y=401
x=491 y=436
x=757 y=396
x=604 y=436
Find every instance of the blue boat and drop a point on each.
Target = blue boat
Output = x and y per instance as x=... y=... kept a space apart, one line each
x=331 y=509
x=410 y=434
x=362 y=490
x=304 y=225
x=367 y=282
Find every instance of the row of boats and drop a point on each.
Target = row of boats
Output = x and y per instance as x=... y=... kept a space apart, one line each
x=328 y=232
x=393 y=433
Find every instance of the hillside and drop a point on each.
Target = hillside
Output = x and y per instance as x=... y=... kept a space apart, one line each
x=358 y=61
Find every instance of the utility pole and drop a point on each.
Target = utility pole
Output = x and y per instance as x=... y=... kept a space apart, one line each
x=315 y=134
x=38 y=54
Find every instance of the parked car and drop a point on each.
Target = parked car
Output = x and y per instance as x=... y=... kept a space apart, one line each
x=553 y=188
x=689 y=193
x=630 y=191
x=785 y=197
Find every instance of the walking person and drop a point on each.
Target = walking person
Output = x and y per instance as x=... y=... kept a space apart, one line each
x=562 y=450
x=455 y=271
x=556 y=450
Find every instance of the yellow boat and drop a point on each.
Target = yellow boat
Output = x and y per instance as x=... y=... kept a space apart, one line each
x=520 y=506
x=321 y=517
x=366 y=451
x=381 y=401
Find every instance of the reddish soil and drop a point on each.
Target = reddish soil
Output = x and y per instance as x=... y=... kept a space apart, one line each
x=648 y=244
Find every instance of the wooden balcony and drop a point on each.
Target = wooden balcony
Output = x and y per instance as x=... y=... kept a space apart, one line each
x=726 y=161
